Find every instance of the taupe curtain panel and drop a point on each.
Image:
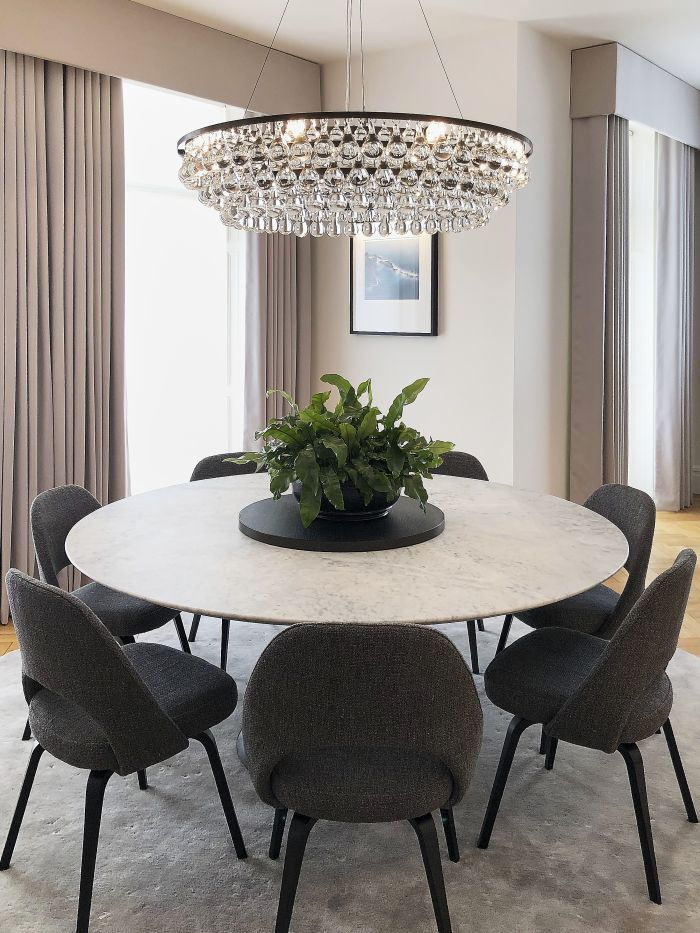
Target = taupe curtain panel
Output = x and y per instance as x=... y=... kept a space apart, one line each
x=675 y=193
x=599 y=299
x=277 y=327
x=62 y=251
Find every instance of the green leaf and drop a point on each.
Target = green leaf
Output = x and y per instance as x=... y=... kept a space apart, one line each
x=413 y=486
x=317 y=419
x=306 y=469
x=251 y=456
x=280 y=483
x=282 y=432
x=411 y=393
x=338 y=447
x=395 y=459
x=395 y=411
x=363 y=387
x=319 y=399
x=377 y=480
x=368 y=425
x=342 y=385
x=349 y=434
x=310 y=504
x=331 y=488
x=286 y=396
x=441 y=447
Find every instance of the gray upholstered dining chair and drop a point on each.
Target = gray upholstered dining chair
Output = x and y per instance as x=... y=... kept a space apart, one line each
x=108 y=710
x=600 y=610
x=459 y=463
x=606 y=695
x=52 y=515
x=361 y=723
x=214 y=467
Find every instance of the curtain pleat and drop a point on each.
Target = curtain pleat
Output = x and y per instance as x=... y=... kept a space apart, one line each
x=277 y=327
x=599 y=303
x=62 y=385
x=675 y=173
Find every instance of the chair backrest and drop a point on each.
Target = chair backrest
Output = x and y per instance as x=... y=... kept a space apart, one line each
x=68 y=651
x=364 y=686
x=634 y=662
x=634 y=513
x=459 y=463
x=216 y=466
x=52 y=515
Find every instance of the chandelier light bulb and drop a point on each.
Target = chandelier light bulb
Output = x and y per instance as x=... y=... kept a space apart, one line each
x=435 y=131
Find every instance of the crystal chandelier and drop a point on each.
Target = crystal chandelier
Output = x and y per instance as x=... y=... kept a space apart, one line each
x=354 y=172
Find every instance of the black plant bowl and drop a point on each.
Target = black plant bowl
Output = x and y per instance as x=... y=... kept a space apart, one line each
x=355 y=508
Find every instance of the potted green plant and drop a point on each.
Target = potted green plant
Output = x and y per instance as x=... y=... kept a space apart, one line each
x=351 y=461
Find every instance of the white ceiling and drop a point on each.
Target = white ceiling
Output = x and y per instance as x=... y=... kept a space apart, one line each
x=665 y=31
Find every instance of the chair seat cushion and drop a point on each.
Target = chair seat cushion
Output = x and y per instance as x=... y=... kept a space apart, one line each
x=122 y=614
x=537 y=674
x=195 y=694
x=361 y=785
x=586 y=612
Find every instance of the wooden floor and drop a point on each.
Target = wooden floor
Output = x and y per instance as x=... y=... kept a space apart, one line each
x=674 y=531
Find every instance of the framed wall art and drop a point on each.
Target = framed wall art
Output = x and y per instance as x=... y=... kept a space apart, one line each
x=394 y=285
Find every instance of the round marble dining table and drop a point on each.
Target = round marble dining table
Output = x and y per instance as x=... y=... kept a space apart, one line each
x=503 y=550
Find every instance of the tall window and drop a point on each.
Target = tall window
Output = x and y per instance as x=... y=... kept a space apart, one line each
x=183 y=334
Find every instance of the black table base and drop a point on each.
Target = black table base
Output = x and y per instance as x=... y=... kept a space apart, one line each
x=278 y=522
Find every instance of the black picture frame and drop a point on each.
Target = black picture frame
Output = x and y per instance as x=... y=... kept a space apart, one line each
x=434 y=298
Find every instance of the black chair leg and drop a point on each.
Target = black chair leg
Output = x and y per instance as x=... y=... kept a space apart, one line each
x=225 y=629
x=277 y=832
x=680 y=772
x=209 y=743
x=473 y=648
x=543 y=742
x=551 y=752
x=635 y=770
x=505 y=632
x=94 y=797
x=430 y=850
x=448 y=822
x=143 y=780
x=515 y=730
x=299 y=830
x=194 y=628
x=27 y=734
x=480 y=625
x=181 y=634
x=18 y=816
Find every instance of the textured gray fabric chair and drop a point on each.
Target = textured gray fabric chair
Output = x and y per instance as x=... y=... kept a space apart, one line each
x=214 y=467
x=108 y=710
x=53 y=514
x=599 y=611
x=459 y=463
x=606 y=695
x=361 y=724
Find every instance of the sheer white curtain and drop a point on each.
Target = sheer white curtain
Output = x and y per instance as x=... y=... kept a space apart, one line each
x=675 y=188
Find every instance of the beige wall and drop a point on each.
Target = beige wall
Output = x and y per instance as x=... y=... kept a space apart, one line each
x=127 y=40
x=499 y=367
x=542 y=319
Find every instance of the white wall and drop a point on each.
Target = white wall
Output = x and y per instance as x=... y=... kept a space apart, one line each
x=491 y=310
x=542 y=318
x=469 y=398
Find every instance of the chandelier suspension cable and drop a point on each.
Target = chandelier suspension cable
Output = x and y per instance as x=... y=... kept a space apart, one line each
x=348 y=51
x=267 y=55
x=362 y=58
x=437 y=50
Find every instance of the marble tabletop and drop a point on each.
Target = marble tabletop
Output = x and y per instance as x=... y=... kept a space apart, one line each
x=503 y=550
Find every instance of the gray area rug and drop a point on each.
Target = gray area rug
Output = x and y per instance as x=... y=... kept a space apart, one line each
x=564 y=854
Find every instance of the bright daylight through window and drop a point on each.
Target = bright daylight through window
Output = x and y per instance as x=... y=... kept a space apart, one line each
x=183 y=299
